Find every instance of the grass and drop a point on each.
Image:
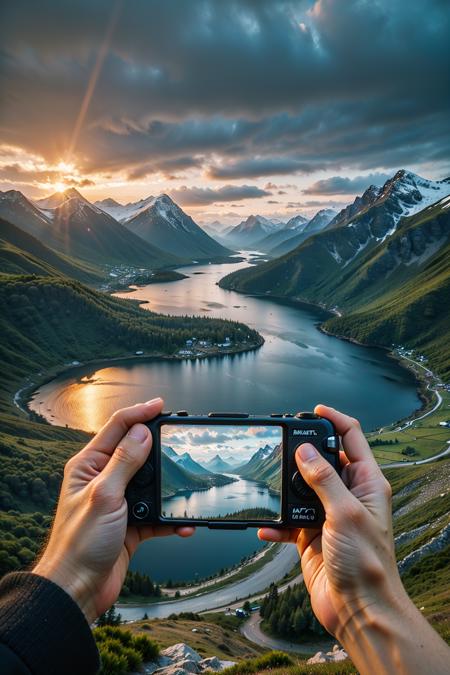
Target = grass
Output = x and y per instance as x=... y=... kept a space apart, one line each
x=211 y=637
x=425 y=435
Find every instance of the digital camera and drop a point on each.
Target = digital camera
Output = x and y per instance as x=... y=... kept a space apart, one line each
x=230 y=471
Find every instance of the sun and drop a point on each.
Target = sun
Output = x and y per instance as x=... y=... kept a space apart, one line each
x=59 y=186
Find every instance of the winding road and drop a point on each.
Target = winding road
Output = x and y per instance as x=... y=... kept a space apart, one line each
x=251 y=629
x=274 y=571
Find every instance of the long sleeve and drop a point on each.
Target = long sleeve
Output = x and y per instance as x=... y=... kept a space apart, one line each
x=42 y=630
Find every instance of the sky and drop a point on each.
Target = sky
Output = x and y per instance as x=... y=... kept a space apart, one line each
x=203 y=442
x=232 y=107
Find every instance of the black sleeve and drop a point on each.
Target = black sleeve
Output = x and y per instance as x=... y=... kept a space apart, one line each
x=42 y=630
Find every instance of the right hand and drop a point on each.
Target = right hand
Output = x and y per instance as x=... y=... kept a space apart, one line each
x=349 y=564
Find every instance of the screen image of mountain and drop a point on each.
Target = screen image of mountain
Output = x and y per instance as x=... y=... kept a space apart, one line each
x=221 y=472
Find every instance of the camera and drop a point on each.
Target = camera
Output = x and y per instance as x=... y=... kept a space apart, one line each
x=230 y=471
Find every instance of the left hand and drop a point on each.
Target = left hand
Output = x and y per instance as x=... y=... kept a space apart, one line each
x=90 y=544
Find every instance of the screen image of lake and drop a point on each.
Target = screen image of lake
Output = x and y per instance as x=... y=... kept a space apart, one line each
x=221 y=472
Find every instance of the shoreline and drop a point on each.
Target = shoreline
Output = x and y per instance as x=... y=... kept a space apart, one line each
x=23 y=395
x=422 y=389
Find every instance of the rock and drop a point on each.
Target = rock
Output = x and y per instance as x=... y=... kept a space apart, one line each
x=211 y=663
x=337 y=654
x=181 y=651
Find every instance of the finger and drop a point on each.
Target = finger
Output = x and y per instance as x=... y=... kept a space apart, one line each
x=120 y=422
x=322 y=477
x=151 y=531
x=354 y=442
x=285 y=536
x=137 y=534
x=129 y=455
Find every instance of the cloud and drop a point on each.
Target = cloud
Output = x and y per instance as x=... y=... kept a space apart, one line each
x=267 y=166
x=340 y=185
x=247 y=89
x=193 y=196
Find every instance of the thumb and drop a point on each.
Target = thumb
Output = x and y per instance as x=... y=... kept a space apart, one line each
x=129 y=455
x=322 y=478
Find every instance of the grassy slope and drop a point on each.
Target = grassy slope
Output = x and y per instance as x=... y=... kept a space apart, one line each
x=21 y=253
x=215 y=636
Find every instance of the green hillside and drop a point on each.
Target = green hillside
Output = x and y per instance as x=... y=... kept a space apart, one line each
x=21 y=253
x=266 y=470
x=394 y=291
x=47 y=321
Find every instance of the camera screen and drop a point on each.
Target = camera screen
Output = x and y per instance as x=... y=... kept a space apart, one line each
x=221 y=472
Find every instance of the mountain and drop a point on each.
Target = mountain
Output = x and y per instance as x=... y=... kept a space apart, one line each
x=185 y=460
x=294 y=225
x=161 y=222
x=122 y=212
x=178 y=479
x=251 y=230
x=72 y=225
x=170 y=452
x=21 y=253
x=264 y=466
x=385 y=269
x=20 y=211
x=218 y=465
x=318 y=223
x=404 y=194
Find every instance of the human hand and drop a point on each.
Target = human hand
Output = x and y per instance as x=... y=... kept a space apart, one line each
x=90 y=544
x=348 y=565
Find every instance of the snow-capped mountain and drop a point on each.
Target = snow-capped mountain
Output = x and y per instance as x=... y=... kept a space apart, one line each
x=123 y=212
x=161 y=222
x=318 y=223
x=404 y=194
x=20 y=211
x=69 y=223
x=251 y=230
x=296 y=223
x=218 y=465
x=187 y=462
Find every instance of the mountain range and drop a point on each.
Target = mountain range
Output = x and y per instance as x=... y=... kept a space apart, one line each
x=219 y=465
x=161 y=222
x=150 y=233
x=382 y=263
x=184 y=474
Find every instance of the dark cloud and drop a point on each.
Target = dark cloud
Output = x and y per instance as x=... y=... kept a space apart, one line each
x=340 y=185
x=194 y=196
x=253 y=168
x=247 y=88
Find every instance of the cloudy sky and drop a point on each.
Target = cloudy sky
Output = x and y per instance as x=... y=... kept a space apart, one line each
x=203 y=442
x=230 y=106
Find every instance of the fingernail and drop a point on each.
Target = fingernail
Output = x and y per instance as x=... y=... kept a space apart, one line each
x=307 y=452
x=138 y=432
x=153 y=401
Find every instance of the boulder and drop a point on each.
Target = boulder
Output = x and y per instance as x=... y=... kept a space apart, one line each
x=337 y=654
x=181 y=651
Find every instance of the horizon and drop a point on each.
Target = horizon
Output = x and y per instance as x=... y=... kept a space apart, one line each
x=275 y=116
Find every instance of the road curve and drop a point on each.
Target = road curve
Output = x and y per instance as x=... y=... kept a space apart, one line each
x=273 y=571
x=251 y=629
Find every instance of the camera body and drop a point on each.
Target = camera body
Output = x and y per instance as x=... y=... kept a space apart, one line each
x=257 y=476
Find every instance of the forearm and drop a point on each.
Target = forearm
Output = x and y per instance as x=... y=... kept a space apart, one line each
x=394 y=638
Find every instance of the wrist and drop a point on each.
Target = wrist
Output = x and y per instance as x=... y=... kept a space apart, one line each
x=71 y=583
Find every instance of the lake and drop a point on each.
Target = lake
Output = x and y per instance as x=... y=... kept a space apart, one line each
x=297 y=367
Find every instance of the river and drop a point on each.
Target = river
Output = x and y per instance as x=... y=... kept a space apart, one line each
x=297 y=367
